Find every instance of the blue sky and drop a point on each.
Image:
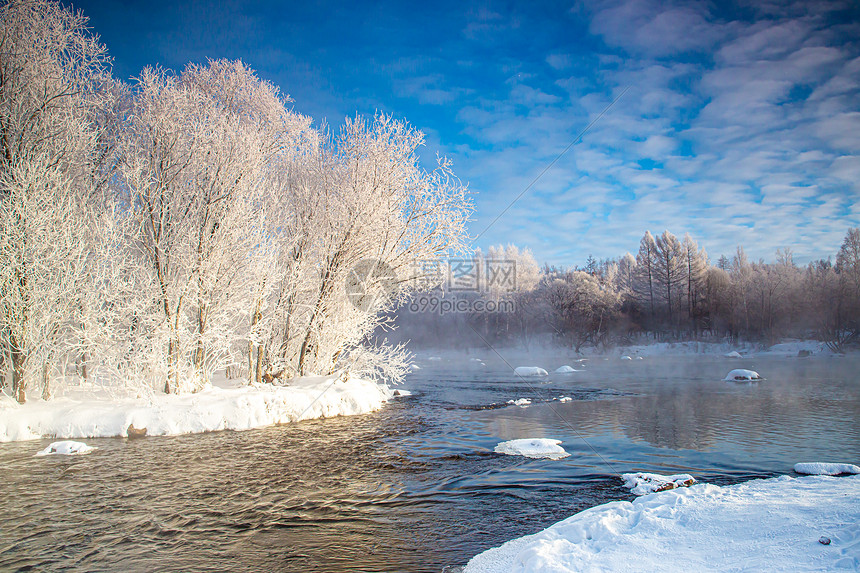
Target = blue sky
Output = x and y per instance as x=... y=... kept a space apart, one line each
x=741 y=124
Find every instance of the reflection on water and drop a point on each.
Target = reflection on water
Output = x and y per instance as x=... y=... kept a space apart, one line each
x=416 y=487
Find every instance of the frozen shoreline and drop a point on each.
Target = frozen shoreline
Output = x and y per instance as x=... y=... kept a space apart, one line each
x=87 y=415
x=770 y=525
x=549 y=354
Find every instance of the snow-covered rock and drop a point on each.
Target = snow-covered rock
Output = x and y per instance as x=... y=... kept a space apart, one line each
x=826 y=469
x=741 y=375
x=530 y=371
x=532 y=448
x=565 y=369
x=733 y=354
x=66 y=448
x=625 y=357
x=761 y=525
x=565 y=399
x=520 y=402
x=645 y=483
x=215 y=408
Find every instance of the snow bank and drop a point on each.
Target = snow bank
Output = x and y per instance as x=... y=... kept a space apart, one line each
x=532 y=448
x=66 y=448
x=769 y=525
x=643 y=483
x=787 y=349
x=797 y=348
x=530 y=371
x=212 y=409
x=741 y=375
x=826 y=469
x=565 y=369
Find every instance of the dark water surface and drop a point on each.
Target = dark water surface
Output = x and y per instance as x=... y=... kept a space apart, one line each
x=416 y=486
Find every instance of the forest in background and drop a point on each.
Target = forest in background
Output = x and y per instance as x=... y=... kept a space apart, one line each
x=669 y=291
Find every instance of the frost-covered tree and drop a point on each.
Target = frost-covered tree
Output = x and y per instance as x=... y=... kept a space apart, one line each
x=695 y=269
x=361 y=211
x=197 y=150
x=670 y=273
x=645 y=273
x=52 y=70
x=580 y=309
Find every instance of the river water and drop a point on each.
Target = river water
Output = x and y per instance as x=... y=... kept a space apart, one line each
x=416 y=486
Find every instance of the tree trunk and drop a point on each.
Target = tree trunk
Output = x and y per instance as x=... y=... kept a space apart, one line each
x=259 y=370
x=172 y=373
x=18 y=385
x=250 y=362
x=46 y=383
x=254 y=373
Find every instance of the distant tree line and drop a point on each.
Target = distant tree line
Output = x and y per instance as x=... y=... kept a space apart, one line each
x=668 y=291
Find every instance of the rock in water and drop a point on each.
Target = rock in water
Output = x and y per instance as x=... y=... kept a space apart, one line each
x=742 y=375
x=644 y=483
x=133 y=432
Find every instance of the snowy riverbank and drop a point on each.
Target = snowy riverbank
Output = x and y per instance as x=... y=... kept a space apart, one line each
x=86 y=415
x=761 y=525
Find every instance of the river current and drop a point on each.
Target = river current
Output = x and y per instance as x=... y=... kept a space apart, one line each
x=416 y=486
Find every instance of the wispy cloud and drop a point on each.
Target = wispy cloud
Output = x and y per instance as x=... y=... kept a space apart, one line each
x=741 y=124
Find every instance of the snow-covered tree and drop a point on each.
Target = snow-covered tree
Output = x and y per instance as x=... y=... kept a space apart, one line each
x=695 y=269
x=580 y=309
x=197 y=153
x=645 y=275
x=361 y=212
x=669 y=273
x=52 y=71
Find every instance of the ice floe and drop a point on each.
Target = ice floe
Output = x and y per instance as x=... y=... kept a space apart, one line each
x=66 y=448
x=530 y=371
x=533 y=448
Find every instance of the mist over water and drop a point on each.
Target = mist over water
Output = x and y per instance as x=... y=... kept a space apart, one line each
x=416 y=486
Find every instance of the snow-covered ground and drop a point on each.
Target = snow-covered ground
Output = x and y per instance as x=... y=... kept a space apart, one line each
x=790 y=348
x=84 y=415
x=551 y=357
x=761 y=525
